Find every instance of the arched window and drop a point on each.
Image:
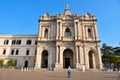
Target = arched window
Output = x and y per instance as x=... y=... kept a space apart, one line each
x=67 y=32
x=46 y=33
x=89 y=33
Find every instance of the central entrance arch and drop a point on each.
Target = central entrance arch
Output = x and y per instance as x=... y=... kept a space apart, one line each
x=67 y=58
x=44 y=61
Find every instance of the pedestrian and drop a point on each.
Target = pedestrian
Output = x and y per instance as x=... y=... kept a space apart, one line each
x=69 y=72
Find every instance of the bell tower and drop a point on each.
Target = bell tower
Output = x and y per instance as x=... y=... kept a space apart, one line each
x=67 y=10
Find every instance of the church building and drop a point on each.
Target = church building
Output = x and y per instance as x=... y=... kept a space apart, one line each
x=63 y=40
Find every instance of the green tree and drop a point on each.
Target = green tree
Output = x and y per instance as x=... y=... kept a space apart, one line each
x=110 y=54
x=117 y=50
x=106 y=49
x=107 y=52
x=1 y=63
x=11 y=63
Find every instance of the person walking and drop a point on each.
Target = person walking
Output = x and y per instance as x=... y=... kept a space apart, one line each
x=69 y=72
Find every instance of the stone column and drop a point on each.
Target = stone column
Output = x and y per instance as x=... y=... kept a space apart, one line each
x=85 y=57
x=39 y=37
x=50 y=57
x=51 y=32
x=58 y=31
x=42 y=32
x=38 y=58
x=56 y=54
x=83 y=32
x=79 y=31
x=58 y=65
x=96 y=32
x=75 y=30
x=78 y=66
x=79 y=54
x=93 y=33
x=76 y=47
x=61 y=55
x=99 y=57
x=77 y=61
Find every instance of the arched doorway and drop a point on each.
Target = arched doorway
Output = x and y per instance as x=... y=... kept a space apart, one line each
x=44 y=59
x=26 y=63
x=68 y=58
x=91 y=55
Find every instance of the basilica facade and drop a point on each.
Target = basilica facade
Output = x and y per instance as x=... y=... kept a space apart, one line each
x=63 y=40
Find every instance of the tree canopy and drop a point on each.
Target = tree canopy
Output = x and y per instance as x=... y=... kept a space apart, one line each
x=110 y=54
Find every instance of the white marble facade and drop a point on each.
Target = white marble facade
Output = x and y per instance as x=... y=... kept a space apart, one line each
x=63 y=40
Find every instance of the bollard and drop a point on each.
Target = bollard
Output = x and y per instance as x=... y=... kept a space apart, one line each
x=83 y=69
x=22 y=69
x=119 y=71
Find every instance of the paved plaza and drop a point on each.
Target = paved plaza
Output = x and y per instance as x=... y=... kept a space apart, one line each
x=8 y=74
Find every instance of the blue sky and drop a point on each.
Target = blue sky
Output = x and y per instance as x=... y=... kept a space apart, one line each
x=21 y=16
